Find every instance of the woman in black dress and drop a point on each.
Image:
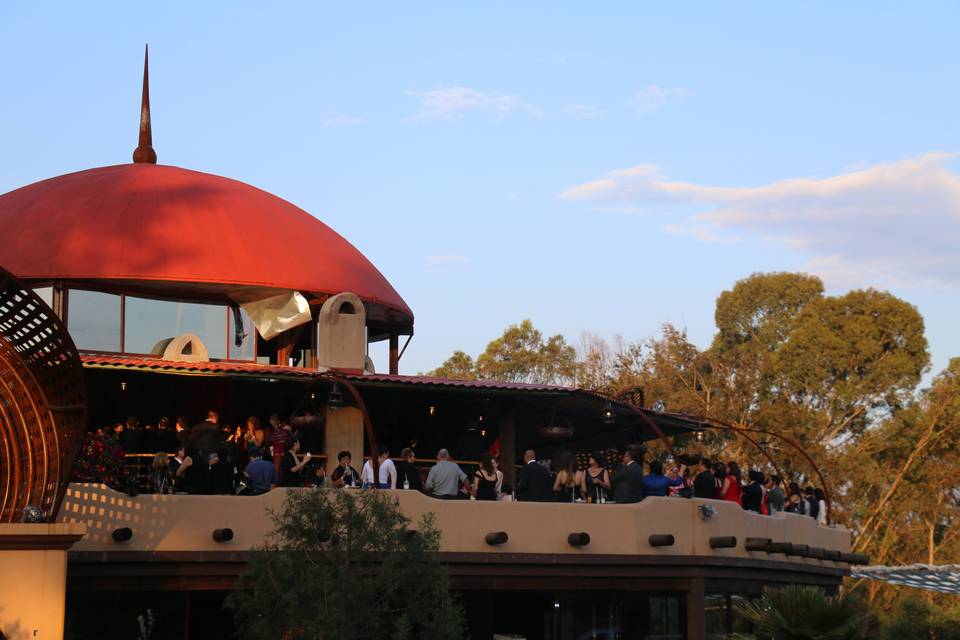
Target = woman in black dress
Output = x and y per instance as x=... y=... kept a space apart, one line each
x=486 y=479
x=597 y=479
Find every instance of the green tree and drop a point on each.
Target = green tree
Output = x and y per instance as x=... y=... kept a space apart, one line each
x=804 y=613
x=521 y=354
x=458 y=366
x=342 y=565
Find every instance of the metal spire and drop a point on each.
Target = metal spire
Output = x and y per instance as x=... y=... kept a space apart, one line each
x=144 y=151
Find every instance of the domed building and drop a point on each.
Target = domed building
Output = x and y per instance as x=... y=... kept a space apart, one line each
x=168 y=286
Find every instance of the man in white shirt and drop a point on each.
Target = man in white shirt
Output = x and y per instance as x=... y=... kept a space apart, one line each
x=387 y=472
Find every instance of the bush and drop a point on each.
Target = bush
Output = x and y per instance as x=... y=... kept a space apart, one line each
x=343 y=564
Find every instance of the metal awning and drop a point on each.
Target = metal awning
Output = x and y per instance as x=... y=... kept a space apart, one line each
x=944 y=578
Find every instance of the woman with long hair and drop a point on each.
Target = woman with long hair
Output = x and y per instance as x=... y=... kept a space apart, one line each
x=160 y=477
x=596 y=479
x=569 y=481
x=486 y=479
x=731 y=488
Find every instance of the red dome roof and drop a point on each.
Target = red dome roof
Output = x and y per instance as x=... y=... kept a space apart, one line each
x=172 y=232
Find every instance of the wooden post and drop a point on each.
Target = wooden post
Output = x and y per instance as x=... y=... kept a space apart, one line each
x=394 y=354
x=507 y=428
x=696 y=612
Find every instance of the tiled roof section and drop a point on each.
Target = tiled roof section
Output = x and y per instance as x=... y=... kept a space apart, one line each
x=383 y=378
x=251 y=368
x=188 y=368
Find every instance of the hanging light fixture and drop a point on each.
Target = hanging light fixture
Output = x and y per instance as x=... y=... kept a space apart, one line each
x=763 y=444
x=432 y=410
x=609 y=415
x=700 y=435
x=335 y=399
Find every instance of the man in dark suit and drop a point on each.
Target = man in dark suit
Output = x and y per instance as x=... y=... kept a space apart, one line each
x=704 y=485
x=204 y=439
x=628 y=480
x=534 y=483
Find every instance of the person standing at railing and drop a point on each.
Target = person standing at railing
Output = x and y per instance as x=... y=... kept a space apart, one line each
x=179 y=465
x=704 y=485
x=387 y=472
x=731 y=488
x=533 y=483
x=445 y=478
x=486 y=479
x=569 y=483
x=408 y=477
x=753 y=492
x=596 y=479
x=161 y=479
x=628 y=480
x=292 y=467
x=344 y=475
x=655 y=484
x=775 y=496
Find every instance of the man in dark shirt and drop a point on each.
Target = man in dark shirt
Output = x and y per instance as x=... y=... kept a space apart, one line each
x=534 y=483
x=628 y=480
x=131 y=437
x=704 y=484
x=344 y=474
x=753 y=492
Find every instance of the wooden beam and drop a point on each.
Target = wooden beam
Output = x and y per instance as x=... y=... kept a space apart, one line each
x=507 y=428
x=394 y=354
x=696 y=613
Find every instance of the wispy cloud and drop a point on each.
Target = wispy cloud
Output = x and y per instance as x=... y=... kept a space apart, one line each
x=890 y=223
x=586 y=111
x=332 y=119
x=445 y=103
x=652 y=97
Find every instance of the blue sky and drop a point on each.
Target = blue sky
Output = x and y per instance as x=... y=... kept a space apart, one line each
x=594 y=167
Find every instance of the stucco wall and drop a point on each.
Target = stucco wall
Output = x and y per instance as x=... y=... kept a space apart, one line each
x=185 y=523
x=33 y=578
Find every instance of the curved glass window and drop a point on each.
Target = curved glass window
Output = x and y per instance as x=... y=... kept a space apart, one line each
x=148 y=323
x=93 y=319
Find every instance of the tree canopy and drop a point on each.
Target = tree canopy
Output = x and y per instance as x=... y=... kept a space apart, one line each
x=838 y=374
x=346 y=565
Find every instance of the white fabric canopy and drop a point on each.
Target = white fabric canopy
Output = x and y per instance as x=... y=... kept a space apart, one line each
x=276 y=314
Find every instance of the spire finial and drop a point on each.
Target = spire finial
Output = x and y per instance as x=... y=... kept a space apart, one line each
x=144 y=151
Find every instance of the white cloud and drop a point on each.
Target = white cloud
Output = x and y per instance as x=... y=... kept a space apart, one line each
x=586 y=111
x=652 y=97
x=889 y=223
x=445 y=103
x=331 y=119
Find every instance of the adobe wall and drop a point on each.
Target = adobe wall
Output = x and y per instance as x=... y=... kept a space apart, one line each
x=173 y=523
x=33 y=579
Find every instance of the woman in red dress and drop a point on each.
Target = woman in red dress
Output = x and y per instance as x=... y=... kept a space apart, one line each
x=731 y=484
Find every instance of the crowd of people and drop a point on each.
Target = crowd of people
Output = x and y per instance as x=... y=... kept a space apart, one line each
x=210 y=458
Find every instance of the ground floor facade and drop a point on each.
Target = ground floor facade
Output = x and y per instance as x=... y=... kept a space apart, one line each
x=554 y=597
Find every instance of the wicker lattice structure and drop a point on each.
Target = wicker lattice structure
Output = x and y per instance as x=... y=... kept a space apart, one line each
x=42 y=403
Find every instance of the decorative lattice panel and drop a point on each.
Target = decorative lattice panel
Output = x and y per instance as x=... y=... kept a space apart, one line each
x=42 y=402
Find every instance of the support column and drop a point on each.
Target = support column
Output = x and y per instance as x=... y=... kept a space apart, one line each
x=33 y=578
x=696 y=613
x=394 y=354
x=344 y=432
x=507 y=428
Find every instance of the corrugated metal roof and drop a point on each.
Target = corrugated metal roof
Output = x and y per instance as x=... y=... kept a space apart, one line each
x=383 y=378
x=110 y=361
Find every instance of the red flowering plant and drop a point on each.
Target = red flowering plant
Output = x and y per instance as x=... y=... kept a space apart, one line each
x=100 y=460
